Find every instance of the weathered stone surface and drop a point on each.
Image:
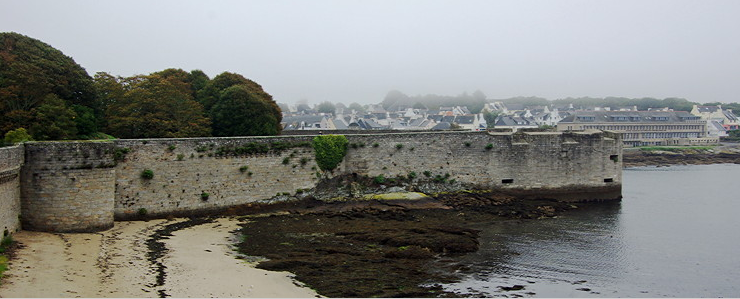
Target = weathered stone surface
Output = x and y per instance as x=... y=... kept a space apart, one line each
x=11 y=160
x=83 y=186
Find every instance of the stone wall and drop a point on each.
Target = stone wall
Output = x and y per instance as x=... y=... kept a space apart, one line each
x=68 y=186
x=185 y=169
x=529 y=162
x=11 y=160
x=83 y=186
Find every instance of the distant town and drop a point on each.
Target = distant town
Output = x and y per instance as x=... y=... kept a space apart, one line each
x=702 y=125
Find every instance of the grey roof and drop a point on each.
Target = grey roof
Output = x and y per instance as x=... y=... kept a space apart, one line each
x=435 y=117
x=731 y=116
x=369 y=124
x=707 y=108
x=717 y=125
x=303 y=118
x=442 y=126
x=506 y=120
x=340 y=124
x=465 y=119
x=629 y=116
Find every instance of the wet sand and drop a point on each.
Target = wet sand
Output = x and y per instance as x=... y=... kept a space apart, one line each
x=199 y=263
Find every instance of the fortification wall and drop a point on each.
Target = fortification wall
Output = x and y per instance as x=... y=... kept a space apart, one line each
x=11 y=160
x=67 y=186
x=528 y=162
x=227 y=169
x=84 y=186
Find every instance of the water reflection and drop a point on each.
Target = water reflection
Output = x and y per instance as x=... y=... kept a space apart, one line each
x=672 y=235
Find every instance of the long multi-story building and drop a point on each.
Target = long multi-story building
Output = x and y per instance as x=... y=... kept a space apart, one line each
x=641 y=128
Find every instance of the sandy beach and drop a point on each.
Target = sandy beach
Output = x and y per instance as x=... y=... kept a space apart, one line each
x=199 y=262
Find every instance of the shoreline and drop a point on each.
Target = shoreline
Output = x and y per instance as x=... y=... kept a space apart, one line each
x=114 y=263
x=666 y=156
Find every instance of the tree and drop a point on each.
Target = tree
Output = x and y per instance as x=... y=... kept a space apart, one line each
x=394 y=97
x=419 y=105
x=32 y=72
x=53 y=120
x=211 y=92
x=242 y=112
x=156 y=106
x=326 y=107
x=17 y=136
x=490 y=117
x=357 y=107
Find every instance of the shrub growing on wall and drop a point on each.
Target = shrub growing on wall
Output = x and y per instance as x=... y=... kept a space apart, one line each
x=329 y=150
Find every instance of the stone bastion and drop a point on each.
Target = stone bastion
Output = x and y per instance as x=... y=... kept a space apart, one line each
x=85 y=186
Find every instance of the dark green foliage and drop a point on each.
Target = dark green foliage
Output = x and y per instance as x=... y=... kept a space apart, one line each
x=379 y=179
x=85 y=122
x=120 y=153
x=147 y=174
x=467 y=144
x=17 y=136
x=142 y=212
x=242 y=112
x=427 y=173
x=304 y=160
x=399 y=146
x=286 y=160
x=376 y=144
x=412 y=175
x=54 y=120
x=33 y=72
x=326 y=107
x=159 y=105
x=489 y=146
x=204 y=196
x=490 y=118
x=171 y=147
x=329 y=150
x=243 y=169
x=180 y=157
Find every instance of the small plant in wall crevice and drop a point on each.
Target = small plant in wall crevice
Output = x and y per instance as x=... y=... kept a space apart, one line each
x=147 y=174
x=204 y=196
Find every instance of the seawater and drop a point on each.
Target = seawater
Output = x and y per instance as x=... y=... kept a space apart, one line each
x=676 y=233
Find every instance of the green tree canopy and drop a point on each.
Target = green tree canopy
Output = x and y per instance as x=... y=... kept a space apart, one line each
x=357 y=107
x=17 y=136
x=155 y=106
x=53 y=120
x=326 y=107
x=242 y=112
x=32 y=72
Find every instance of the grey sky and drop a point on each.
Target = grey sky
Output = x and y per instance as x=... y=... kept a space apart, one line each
x=356 y=51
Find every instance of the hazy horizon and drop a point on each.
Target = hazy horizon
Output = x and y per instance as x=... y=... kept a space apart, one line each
x=357 y=51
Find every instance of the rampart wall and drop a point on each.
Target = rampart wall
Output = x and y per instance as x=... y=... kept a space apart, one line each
x=84 y=186
x=11 y=160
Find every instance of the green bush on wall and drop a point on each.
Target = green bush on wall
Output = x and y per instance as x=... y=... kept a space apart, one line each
x=329 y=150
x=147 y=174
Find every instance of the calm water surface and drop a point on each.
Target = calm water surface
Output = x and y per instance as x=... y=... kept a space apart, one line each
x=676 y=233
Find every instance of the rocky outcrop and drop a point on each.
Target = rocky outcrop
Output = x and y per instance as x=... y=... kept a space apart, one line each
x=681 y=156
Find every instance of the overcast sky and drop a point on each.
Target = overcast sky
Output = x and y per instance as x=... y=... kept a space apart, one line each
x=356 y=51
